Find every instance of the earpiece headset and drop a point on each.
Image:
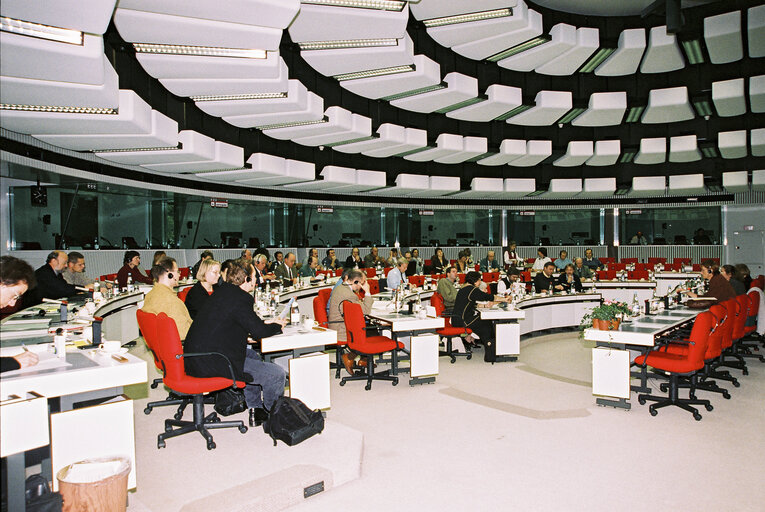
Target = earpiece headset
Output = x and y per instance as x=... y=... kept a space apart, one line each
x=249 y=279
x=170 y=275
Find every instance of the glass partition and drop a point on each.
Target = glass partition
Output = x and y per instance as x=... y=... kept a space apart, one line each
x=670 y=226
x=554 y=227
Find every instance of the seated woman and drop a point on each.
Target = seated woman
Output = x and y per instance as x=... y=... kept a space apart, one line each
x=131 y=268
x=438 y=262
x=207 y=277
x=464 y=313
x=416 y=258
x=461 y=264
x=729 y=272
x=16 y=277
x=542 y=258
x=719 y=287
x=226 y=324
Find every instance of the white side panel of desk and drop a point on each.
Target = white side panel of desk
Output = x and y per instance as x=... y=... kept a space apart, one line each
x=508 y=338
x=309 y=380
x=424 y=355
x=611 y=372
x=24 y=424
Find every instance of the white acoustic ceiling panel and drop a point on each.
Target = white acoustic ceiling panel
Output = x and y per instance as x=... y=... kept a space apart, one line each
x=471 y=148
x=227 y=156
x=91 y=16
x=466 y=32
x=458 y=88
x=360 y=127
x=228 y=86
x=266 y=13
x=162 y=65
x=648 y=185
x=338 y=119
x=652 y=151
x=577 y=153
x=626 y=59
x=684 y=148
x=536 y=152
x=509 y=150
x=331 y=23
x=447 y=144
x=429 y=9
x=519 y=187
x=426 y=73
x=501 y=99
x=138 y=26
x=365 y=181
x=529 y=26
x=563 y=39
x=563 y=187
x=758 y=179
x=668 y=106
x=687 y=184
x=722 y=34
x=192 y=147
x=269 y=170
x=549 y=106
x=604 y=109
x=31 y=91
x=732 y=144
x=388 y=135
x=483 y=188
x=406 y=184
x=606 y=152
x=163 y=134
x=348 y=60
x=735 y=181
x=587 y=42
x=24 y=56
x=295 y=100
x=414 y=138
x=598 y=187
x=334 y=177
x=728 y=97
x=756 y=93
x=663 y=54
x=755 y=30
x=310 y=111
x=439 y=186
x=757 y=141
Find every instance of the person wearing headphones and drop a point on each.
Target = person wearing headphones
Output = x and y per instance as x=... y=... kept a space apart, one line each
x=355 y=281
x=16 y=277
x=50 y=282
x=397 y=276
x=131 y=267
x=162 y=297
x=261 y=274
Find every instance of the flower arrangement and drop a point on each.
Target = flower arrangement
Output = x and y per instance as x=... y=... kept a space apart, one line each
x=605 y=317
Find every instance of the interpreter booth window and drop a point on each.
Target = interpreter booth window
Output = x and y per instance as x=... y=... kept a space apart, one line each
x=452 y=227
x=346 y=226
x=554 y=227
x=670 y=226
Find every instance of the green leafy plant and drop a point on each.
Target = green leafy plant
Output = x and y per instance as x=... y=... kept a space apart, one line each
x=608 y=311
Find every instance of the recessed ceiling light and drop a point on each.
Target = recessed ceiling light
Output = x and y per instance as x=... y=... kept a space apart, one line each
x=27 y=28
x=290 y=125
x=522 y=47
x=63 y=110
x=393 y=70
x=382 y=5
x=259 y=96
x=200 y=51
x=596 y=60
x=347 y=43
x=467 y=18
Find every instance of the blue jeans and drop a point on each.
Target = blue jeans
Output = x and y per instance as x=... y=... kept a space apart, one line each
x=267 y=378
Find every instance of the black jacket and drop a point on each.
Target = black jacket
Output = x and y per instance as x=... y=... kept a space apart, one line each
x=577 y=283
x=49 y=285
x=223 y=324
x=542 y=282
x=196 y=298
x=464 y=313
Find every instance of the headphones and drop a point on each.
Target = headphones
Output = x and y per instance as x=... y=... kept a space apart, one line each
x=249 y=279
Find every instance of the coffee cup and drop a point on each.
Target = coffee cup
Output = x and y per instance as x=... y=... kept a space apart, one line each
x=110 y=346
x=90 y=307
x=307 y=324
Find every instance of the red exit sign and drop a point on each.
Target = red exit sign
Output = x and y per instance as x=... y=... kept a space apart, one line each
x=218 y=203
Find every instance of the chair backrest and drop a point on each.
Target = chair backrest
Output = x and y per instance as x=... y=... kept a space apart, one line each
x=682 y=261
x=714 y=348
x=461 y=278
x=617 y=266
x=639 y=274
x=182 y=294
x=185 y=272
x=324 y=294
x=743 y=312
x=370 y=272
x=320 y=311
x=355 y=325
x=147 y=323
x=386 y=270
x=437 y=301
x=702 y=328
x=374 y=286
x=754 y=311
x=654 y=261
x=629 y=260
x=167 y=346
x=731 y=307
x=417 y=280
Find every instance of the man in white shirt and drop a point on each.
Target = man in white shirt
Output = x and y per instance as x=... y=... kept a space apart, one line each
x=398 y=274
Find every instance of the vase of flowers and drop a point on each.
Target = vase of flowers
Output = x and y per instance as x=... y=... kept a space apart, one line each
x=605 y=317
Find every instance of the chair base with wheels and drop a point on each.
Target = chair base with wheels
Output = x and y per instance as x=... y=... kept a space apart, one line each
x=468 y=354
x=369 y=375
x=673 y=399
x=200 y=423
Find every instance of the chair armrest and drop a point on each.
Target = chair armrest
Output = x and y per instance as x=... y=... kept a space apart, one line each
x=228 y=361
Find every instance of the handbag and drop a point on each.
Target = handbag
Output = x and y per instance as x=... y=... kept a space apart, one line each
x=230 y=401
x=292 y=422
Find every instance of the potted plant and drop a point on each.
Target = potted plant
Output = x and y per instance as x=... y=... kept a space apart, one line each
x=605 y=317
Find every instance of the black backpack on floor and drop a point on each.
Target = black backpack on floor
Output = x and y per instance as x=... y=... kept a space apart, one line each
x=291 y=421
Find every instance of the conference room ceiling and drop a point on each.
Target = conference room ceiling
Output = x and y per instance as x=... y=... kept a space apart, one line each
x=415 y=100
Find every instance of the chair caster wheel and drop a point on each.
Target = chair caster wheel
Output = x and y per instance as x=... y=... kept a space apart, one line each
x=469 y=357
x=709 y=407
x=147 y=410
x=211 y=445
x=697 y=416
x=641 y=400
x=726 y=395
x=160 y=444
x=663 y=388
x=368 y=387
x=736 y=384
x=454 y=359
x=746 y=371
x=395 y=382
x=178 y=416
x=653 y=411
x=342 y=383
x=243 y=429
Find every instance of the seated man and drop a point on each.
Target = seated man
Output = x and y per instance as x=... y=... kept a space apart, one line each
x=354 y=260
x=568 y=281
x=278 y=260
x=581 y=270
x=392 y=259
x=206 y=255
x=505 y=284
x=544 y=281
x=131 y=268
x=447 y=288
x=162 y=297
x=309 y=269
x=372 y=259
x=349 y=291
x=286 y=271
x=591 y=262
x=563 y=260
x=50 y=283
x=226 y=324
x=331 y=262
x=638 y=239
x=74 y=273
x=260 y=261
x=489 y=263
x=397 y=276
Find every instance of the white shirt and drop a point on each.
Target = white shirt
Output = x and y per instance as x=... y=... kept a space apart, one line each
x=394 y=279
x=510 y=257
x=539 y=263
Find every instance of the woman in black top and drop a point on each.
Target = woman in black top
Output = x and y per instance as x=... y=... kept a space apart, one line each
x=207 y=275
x=464 y=313
x=438 y=261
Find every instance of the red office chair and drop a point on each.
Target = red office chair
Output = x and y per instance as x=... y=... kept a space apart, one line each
x=728 y=351
x=183 y=293
x=754 y=311
x=654 y=261
x=167 y=348
x=320 y=311
x=449 y=332
x=629 y=260
x=680 y=365
x=386 y=271
x=681 y=261
x=108 y=277
x=370 y=272
x=461 y=278
x=185 y=272
x=743 y=342
x=374 y=286
x=417 y=280
x=369 y=346
x=617 y=267
x=639 y=274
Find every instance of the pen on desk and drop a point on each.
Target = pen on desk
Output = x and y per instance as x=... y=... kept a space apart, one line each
x=24 y=347
x=119 y=358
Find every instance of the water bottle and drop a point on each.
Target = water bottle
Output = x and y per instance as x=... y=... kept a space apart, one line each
x=635 y=305
x=294 y=314
x=130 y=283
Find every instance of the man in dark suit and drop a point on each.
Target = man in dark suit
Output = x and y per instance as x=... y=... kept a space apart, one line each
x=544 y=281
x=286 y=271
x=50 y=282
x=569 y=281
x=224 y=324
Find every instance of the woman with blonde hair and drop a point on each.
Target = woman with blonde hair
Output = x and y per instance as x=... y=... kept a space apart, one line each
x=207 y=276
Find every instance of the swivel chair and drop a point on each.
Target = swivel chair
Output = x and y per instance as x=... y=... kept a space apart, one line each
x=449 y=332
x=183 y=293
